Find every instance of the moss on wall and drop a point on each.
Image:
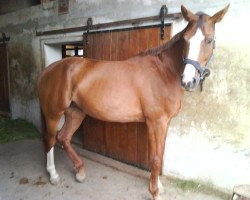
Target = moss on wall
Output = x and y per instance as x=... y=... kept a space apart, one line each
x=23 y=68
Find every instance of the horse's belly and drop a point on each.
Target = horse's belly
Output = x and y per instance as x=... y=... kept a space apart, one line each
x=112 y=106
x=113 y=114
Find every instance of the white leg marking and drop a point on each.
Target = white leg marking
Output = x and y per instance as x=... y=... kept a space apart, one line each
x=54 y=177
x=194 y=49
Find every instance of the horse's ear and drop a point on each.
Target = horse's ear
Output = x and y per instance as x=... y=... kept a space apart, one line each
x=188 y=15
x=217 y=17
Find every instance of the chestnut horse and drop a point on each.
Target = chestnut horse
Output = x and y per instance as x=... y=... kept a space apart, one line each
x=146 y=88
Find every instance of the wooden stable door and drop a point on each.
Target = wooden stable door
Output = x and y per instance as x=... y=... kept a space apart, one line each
x=4 y=82
x=127 y=142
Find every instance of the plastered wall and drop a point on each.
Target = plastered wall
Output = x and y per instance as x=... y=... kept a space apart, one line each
x=210 y=139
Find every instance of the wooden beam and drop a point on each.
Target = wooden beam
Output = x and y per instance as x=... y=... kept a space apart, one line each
x=109 y=24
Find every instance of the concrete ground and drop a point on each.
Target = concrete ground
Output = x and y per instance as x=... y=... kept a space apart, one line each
x=23 y=177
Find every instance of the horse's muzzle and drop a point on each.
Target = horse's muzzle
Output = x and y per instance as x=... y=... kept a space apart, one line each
x=189 y=86
x=202 y=71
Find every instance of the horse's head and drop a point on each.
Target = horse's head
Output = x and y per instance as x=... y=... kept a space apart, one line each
x=199 y=45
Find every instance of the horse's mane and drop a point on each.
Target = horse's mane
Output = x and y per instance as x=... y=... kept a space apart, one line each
x=157 y=50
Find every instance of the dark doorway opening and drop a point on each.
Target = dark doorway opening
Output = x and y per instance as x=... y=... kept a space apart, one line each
x=4 y=81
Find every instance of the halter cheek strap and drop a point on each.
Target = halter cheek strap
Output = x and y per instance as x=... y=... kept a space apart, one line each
x=203 y=71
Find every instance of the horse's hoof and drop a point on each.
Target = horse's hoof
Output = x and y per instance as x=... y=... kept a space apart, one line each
x=80 y=177
x=55 y=180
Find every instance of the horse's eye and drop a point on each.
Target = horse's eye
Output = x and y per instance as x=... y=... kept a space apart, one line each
x=209 y=40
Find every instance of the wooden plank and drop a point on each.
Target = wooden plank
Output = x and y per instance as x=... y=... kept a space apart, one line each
x=133 y=43
x=93 y=137
x=153 y=37
x=94 y=46
x=121 y=141
x=143 y=40
x=132 y=140
x=114 y=45
x=123 y=44
x=143 y=146
x=106 y=48
x=90 y=46
x=113 y=137
x=99 y=48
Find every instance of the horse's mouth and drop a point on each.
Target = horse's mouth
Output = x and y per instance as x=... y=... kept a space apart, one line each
x=190 y=86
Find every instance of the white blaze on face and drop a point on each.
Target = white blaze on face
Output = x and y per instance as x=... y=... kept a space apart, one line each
x=194 y=49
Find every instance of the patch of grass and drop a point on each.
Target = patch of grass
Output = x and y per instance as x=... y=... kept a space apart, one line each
x=12 y=130
x=198 y=187
x=188 y=185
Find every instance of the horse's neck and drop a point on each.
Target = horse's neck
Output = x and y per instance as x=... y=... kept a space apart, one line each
x=172 y=57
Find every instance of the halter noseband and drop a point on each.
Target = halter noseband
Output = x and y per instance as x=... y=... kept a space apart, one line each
x=203 y=71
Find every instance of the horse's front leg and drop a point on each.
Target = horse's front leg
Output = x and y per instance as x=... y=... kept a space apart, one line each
x=157 y=130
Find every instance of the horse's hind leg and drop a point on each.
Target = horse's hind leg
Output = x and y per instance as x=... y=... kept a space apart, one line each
x=50 y=140
x=73 y=119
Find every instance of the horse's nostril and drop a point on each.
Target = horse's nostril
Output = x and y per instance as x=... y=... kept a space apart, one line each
x=184 y=84
x=194 y=81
